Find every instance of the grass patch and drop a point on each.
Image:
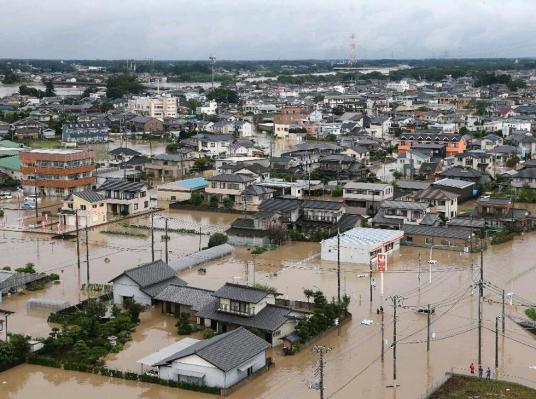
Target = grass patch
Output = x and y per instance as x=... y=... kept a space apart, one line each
x=178 y=231
x=531 y=313
x=46 y=144
x=463 y=387
x=124 y=233
x=259 y=250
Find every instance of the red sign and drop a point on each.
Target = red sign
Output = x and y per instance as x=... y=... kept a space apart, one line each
x=381 y=262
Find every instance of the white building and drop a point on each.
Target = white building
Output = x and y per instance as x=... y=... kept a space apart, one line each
x=515 y=124
x=156 y=107
x=209 y=108
x=361 y=245
x=221 y=361
x=142 y=283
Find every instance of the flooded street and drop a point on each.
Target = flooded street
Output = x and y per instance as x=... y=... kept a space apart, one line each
x=353 y=368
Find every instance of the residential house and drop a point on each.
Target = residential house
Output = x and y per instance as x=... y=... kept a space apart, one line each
x=228 y=186
x=120 y=155
x=490 y=141
x=524 y=177
x=146 y=124
x=143 y=283
x=236 y=305
x=244 y=129
x=179 y=298
x=462 y=173
x=449 y=238
x=502 y=154
x=444 y=202
x=465 y=190
x=396 y=213
x=180 y=190
x=27 y=129
x=214 y=145
x=124 y=197
x=170 y=166
x=525 y=143
x=365 y=198
x=221 y=361
x=252 y=196
x=88 y=206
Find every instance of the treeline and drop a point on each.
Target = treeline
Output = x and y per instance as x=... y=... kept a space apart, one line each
x=487 y=79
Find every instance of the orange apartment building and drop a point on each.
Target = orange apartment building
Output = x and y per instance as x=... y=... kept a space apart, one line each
x=57 y=172
x=453 y=142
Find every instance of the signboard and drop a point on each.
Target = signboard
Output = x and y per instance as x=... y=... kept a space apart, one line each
x=381 y=262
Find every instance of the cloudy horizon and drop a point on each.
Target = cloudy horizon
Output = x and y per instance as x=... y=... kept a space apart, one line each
x=255 y=30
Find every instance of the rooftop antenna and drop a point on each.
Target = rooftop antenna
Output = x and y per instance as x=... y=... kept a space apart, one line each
x=212 y=59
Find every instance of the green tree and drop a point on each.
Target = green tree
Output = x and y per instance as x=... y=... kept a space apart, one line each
x=202 y=164
x=120 y=85
x=10 y=77
x=318 y=98
x=196 y=198
x=224 y=95
x=217 y=239
x=228 y=203
x=183 y=324
x=213 y=201
x=49 y=89
x=192 y=105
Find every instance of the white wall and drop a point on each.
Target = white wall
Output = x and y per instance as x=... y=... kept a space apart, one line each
x=354 y=254
x=125 y=286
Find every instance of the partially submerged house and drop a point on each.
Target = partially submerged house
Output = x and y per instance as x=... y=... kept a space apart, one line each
x=221 y=361
x=143 y=283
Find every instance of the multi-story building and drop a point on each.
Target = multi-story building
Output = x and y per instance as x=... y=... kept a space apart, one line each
x=454 y=142
x=155 y=107
x=90 y=132
x=57 y=172
x=365 y=198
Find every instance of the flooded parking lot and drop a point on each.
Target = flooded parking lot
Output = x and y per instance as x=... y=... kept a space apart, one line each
x=353 y=366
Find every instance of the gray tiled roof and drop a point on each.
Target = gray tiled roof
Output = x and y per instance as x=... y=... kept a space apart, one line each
x=124 y=151
x=226 y=351
x=233 y=178
x=433 y=231
x=241 y=293
x=121 y=185
x=319 y=204
x=270 y=318
x=152 y=277
x=405 y=205
x=90 y=196
x=434 y=194
x=279 y=204
x=197 y=298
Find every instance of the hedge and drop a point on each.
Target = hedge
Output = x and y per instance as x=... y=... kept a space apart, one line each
x=125 y=375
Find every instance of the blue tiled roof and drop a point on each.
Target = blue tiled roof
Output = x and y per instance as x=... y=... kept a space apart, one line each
x=193 y=183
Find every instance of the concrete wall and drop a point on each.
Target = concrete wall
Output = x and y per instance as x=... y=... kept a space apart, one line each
x=125 y=287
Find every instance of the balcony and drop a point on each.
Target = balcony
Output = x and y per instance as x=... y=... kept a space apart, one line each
x=248 y=312
x=29 y=170
x=85 y=181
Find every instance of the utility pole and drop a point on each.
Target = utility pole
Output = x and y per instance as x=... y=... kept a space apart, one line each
x=396 y=300
x=480 y=300
x=321 y=350
x=167 y=239
x=503 y=318
x=383 y=338
x=497 y=342
x=428 y=328
x=77 y=241
x=87 y=258
x=200 y=238
x=370 y=279
x=338 y=279
x=152 y=237
x=419 y=275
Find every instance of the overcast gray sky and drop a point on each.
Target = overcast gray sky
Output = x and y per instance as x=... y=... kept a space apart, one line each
x=266 y=29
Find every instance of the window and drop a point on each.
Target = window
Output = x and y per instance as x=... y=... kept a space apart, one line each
x=135 y=206
x=173 y=198
x=409 y=239
x=94 y=206
x=146 y=204
x=428 y=240
x=82 y=207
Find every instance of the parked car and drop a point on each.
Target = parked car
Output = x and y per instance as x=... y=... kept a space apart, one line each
x=28 y=205
x=425 y=310
x=5 y=195
x=32 y=198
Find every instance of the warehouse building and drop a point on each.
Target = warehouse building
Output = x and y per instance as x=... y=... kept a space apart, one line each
x=361 y=245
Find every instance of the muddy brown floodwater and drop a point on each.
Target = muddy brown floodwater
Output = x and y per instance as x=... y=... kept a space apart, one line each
x=353 y=366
